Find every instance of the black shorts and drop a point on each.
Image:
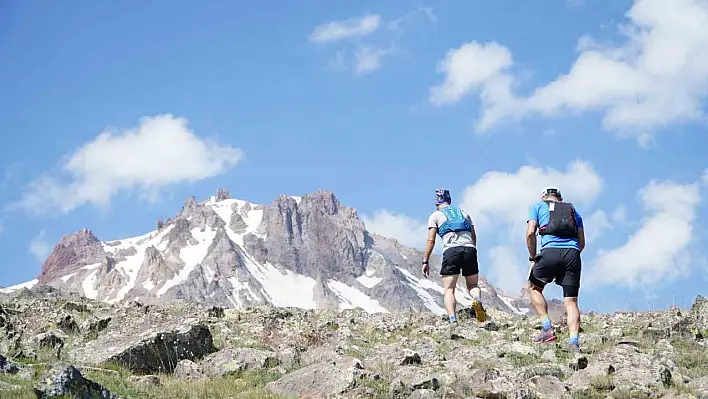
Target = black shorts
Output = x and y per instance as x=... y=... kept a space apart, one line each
x=458 y=259
x=560 y=264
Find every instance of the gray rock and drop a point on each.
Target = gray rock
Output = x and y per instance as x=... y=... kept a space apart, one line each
x=547 y=386
x=700 y=386
x=64 y=379
x=222 y=194
x=237 y=360
x=6 y=366
x=424 y=394
x=316 y=380
x=148 y=348
x=188 y=370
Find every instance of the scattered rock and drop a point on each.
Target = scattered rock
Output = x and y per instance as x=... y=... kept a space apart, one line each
x=549 y=386
x=314 y=381
x=188 y=370
x=700 y=386
x=7 y=366
x=237 y=360
x=65 y=380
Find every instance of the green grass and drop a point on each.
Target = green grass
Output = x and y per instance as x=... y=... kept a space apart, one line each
x=249 y=384
x=521 y=360
x=692 y=359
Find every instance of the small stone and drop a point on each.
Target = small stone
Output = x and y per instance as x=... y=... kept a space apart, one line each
x=549 y=355
x=578 y=362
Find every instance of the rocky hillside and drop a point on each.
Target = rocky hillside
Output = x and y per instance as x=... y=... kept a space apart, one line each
x=309 y=252
x=55 y=344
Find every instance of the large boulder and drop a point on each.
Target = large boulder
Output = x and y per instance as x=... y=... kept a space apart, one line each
x=148 y=349
x=237 y=360
x=315 y=381
x=64 y=380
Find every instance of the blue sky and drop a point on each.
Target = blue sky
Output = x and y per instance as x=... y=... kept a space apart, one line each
x=380 y=103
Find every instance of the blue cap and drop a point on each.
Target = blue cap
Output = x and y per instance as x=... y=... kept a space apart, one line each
x=442 y=196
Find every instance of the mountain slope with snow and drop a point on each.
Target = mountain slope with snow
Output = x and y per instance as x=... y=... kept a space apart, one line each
x=307 y=252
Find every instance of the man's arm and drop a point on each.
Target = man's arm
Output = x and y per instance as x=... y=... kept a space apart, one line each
x=430 y=244
x=581 y=231
x=581 y=239
x=531 y=237
x=531 y=225
x=474 y=236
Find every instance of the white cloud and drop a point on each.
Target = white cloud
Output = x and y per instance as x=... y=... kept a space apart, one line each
x=656 y=77
x=704 y=178
x=619 y=214
x=506 y=197
x=398 y=22
x=353 y=27
x=468 y=68
x=595 y=225
x=161 y=151
x=39 y=247
x=368 y=59
x=656 y=252
x=406 y=230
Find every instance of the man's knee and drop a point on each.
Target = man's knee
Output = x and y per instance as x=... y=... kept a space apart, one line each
x=536 y=285
x=472 y=281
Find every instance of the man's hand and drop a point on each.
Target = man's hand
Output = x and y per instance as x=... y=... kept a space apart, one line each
x=426 y=269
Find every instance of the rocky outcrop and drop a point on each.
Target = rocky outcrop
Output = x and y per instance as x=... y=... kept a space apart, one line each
x=319 y=236
x=149 y=346
x=65 y=380
x=73 y=251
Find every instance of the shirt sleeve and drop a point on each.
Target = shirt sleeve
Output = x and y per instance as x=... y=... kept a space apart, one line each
x=432 y=221
x=533 y=213
x=467 y=216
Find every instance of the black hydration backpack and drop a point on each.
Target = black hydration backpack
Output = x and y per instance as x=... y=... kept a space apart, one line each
x=561 y=221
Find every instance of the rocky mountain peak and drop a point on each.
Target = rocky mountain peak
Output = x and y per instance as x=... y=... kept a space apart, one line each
x=222 y=194
x=190 y=205
x=322 y=200
x=73 y=251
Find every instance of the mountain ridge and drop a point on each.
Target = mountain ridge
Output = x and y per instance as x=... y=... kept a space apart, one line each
x=308 y=251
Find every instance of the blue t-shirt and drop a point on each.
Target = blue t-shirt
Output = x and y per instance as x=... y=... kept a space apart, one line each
x=540 y=213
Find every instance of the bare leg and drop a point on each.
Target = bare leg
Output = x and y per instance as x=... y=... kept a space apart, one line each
x=449 y=283
x=541 y=306
x=472 y=286
x=571 y=309
x=538 y=301
x=476 y=294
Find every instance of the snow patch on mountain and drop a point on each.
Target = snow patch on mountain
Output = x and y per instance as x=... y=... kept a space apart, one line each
x=13 y=288
x=89 y=286
x=369 y=282
x=192 y=255
x=284 y=288
x=351 y=298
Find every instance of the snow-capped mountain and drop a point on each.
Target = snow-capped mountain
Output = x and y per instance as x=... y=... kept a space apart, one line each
x=307 y=252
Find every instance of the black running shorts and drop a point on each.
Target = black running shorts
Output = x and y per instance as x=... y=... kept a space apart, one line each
x=459 y=259
x=560 y=264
